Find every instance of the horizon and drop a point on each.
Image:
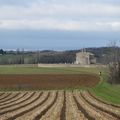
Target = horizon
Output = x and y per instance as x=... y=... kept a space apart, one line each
x=61 y=50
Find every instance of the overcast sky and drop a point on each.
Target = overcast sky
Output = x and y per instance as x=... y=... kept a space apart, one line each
x=70 y=20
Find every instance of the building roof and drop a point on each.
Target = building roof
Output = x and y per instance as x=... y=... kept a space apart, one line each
x=84 y=53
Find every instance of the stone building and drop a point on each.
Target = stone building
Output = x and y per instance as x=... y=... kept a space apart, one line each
x=85 y=58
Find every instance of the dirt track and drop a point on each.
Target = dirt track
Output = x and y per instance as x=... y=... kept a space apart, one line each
x=47 y=81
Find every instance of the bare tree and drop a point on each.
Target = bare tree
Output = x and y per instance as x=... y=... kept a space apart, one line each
x=114 y=63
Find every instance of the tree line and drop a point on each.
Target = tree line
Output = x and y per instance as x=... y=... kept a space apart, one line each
x=37 y=57
x=102 y=54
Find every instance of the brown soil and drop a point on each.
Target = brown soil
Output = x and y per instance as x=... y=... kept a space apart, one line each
x=47 y=81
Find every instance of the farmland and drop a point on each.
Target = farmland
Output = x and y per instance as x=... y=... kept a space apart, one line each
x=33 y=69
x=57 y=94
x=47 y=81
x=55 y=105
x=103 y=90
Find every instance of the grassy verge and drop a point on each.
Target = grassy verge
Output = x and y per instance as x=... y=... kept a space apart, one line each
x=106 y=91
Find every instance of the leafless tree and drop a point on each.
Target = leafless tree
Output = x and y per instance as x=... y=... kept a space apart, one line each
x=114 y=63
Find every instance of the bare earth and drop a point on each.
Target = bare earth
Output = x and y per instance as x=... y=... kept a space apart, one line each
x=43 y=81
x=55 y=105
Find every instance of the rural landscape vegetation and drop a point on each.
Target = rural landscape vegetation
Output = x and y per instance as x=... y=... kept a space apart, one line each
x=55 y=63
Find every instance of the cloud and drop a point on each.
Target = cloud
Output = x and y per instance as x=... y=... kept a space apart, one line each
x=55 y=14
x=15 y=2
x=60 y=25
x=38 y=10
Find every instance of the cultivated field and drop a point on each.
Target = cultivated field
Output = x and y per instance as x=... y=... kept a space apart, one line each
x=103 y=90
x=69 y=93
x=48 y=81
x=55 y=105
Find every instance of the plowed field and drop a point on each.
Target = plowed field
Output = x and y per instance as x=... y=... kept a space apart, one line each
x=55 y=105
x=47 y=81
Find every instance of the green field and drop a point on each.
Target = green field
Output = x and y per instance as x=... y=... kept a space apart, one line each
x=44 y=70
x=103 y=90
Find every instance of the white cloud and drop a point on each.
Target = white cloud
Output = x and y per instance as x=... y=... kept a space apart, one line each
x=62 y=15
x=59 y=25
x=54 y=10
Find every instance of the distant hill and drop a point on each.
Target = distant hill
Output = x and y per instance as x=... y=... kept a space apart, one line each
x=49 y=56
